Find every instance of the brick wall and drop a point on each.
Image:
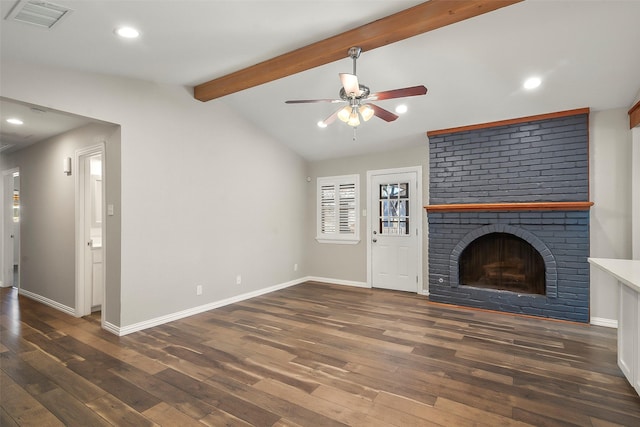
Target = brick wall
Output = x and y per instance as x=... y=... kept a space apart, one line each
x=536 y=161
x=544 y=160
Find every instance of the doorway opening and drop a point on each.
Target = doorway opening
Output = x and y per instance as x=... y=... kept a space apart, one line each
x=11 y=228
x=90 y=243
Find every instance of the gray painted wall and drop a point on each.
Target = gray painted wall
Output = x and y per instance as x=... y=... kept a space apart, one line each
x=349 y=262
x=205 y=195
x=610 y=173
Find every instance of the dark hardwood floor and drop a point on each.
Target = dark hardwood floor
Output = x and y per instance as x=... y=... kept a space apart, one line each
x=312 y=355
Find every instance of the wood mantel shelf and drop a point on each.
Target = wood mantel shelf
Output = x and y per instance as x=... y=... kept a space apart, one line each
x=526 y=206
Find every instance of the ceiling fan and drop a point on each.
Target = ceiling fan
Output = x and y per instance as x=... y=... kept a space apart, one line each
x=356 y=95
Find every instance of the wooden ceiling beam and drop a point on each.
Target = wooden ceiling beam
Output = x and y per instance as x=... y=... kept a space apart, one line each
x=410 y=22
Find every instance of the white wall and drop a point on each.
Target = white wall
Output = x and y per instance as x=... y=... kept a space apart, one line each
x=205 y=195
x=635 y=187
x=610 y=219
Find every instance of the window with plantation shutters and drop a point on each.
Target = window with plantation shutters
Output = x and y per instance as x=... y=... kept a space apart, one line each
x=338 y=201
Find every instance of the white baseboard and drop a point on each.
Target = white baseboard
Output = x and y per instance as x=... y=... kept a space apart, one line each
x=336 y=281
x=124 y=330
x=46 y=301
x=600 y=321
x=110 y=327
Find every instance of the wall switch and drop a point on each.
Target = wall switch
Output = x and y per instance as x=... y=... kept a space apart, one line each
x=295 y=267
x=238 y=279
x=199 y=290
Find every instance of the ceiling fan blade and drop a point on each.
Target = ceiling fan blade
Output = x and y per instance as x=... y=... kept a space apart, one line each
x=332 y=117
x=398 y=93
x=350 y=83
x=385 y=115
x=309 y=101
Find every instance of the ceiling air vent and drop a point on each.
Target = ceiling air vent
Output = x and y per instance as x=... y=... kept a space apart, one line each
x=40 y=13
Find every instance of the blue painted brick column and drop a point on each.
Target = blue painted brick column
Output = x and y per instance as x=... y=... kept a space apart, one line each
x=536 y=161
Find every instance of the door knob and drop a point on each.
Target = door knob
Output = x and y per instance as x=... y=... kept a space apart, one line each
x=375 y=240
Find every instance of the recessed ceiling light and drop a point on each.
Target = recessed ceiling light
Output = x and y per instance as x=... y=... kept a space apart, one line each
x=322 y=124
x=401 y=109
x=15 y=121
x=127 y=32
x=532 y=83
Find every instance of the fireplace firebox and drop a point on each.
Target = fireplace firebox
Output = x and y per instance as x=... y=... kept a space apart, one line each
x=502 y=261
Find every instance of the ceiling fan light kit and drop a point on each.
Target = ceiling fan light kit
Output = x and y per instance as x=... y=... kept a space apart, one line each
x=355 y=94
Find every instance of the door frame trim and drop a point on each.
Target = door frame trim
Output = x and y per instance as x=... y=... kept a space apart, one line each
x=4 y=194
x=418 y=210
x=81 y=306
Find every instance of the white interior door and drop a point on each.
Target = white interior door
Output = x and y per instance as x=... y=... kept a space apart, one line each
x=394 y=230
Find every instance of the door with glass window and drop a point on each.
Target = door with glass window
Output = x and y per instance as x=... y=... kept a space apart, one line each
x=394 y=216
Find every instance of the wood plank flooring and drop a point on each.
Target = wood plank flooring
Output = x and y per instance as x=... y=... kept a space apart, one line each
x=311 y=355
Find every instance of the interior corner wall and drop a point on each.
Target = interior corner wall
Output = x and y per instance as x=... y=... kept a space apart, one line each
x=610 y=170
x=113 y=228
x=635 y=197
x=3 y=167
x=205 y=196
x=47 y=205
x=348 y=263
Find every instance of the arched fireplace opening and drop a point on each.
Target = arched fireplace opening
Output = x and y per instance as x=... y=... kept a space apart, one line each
x=502 y=261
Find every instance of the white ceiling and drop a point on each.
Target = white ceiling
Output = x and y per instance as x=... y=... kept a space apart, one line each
x=585 y=51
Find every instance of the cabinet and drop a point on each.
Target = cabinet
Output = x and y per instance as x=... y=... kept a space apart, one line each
x=628 y=274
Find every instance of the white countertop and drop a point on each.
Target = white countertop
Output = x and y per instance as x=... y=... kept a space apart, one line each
x=626 y=271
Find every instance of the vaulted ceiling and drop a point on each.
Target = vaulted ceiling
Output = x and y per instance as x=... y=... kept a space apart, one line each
x=584 y=51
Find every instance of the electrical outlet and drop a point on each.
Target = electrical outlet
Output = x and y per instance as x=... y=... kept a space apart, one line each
x=238 y=279
x=295 y=267
x=199 y=290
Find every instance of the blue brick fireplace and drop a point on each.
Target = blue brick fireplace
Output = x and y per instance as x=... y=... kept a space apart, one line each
x=526 y=178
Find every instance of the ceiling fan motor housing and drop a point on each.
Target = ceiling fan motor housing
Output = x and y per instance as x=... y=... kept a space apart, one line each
x=364 y=92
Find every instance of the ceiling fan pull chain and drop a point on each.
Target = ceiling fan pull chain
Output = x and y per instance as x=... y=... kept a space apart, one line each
x=354 y=133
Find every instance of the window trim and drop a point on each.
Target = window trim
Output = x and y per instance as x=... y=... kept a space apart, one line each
x=338 y=237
